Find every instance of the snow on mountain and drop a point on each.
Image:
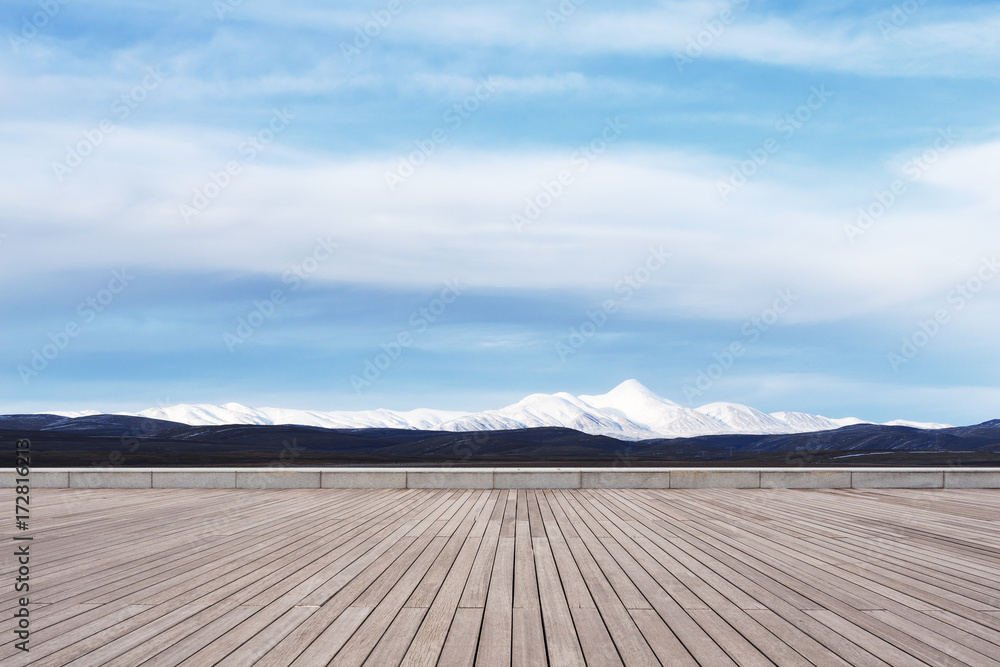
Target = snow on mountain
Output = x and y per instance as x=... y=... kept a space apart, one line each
x=925 y=425
x=72 y=414
x=234 y=413
x=801 y=422
x=630 y=411
x=849 y=421
x=630 y=396
x=744 y=419
x=660 y=416
x=206 y=415
x=559 y=410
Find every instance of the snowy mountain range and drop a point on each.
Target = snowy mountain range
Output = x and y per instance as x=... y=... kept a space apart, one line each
x=630 y=411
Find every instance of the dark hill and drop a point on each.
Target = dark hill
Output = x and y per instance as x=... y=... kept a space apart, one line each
x=135 y=441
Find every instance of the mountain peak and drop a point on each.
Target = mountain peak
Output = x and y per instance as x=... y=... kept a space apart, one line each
x=630 y=397
x=631 y=386
x=629 y=411
x=632 y=390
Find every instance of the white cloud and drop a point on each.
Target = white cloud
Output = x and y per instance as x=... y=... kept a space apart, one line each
x=972 y=170
x=837 y=396
x=453 y=218
x=958 y=43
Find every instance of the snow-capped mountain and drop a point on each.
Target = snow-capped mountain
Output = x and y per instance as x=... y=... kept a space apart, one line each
x=744 y=419
x=655 y=414
x=234 y=413
x=630 y=411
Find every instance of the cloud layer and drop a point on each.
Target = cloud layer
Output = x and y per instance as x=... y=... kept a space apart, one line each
x=357 y=159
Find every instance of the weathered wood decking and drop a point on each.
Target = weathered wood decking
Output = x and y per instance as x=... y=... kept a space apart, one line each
x=494 y=577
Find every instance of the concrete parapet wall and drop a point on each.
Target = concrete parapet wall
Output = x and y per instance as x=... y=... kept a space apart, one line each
x=898 y=479
x=508 y=478
x=448 y=479
x=972 y=479
x=715 y=479
x=805 y=479
x=624 y=479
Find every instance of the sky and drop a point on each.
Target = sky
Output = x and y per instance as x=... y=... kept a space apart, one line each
x=453 y=205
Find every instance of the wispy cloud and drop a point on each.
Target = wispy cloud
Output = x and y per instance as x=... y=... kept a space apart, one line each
x=895 y=82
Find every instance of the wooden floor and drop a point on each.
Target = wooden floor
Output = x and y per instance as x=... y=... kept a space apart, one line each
x=441 y=577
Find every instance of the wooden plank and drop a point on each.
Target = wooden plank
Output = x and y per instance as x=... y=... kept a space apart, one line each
x=595 y=640
x=141 y=635
x=325 y=646
x=345 y=575
x=383 y=588
x=168 y=649
x=519 y=577
x=394 y=643
x=495 y=638
x=591 y=535
x=354 y=539
x=870 y=642
x=429 y=586
x=328 y=614
x=632 y=646
x=535 y=515
x=184 y=563
x=779 y=598
x=478 y=582
x=177 y=585
x=85 y=639
x=257 y=640
x=561 y=640
x=953 y=620
x=949 y=640
x=528 y=635
x=736 y=645
x=356 y=651
x=575 y=588
x=528 y=638
x=667 y=647
x=525 y=582
x=426 y=647
x=463 y=638
x=839 y=595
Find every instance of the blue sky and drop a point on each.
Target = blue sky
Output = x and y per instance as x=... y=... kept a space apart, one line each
x=784 y=205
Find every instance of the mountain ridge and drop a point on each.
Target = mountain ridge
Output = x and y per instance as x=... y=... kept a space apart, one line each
x=628 y=412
